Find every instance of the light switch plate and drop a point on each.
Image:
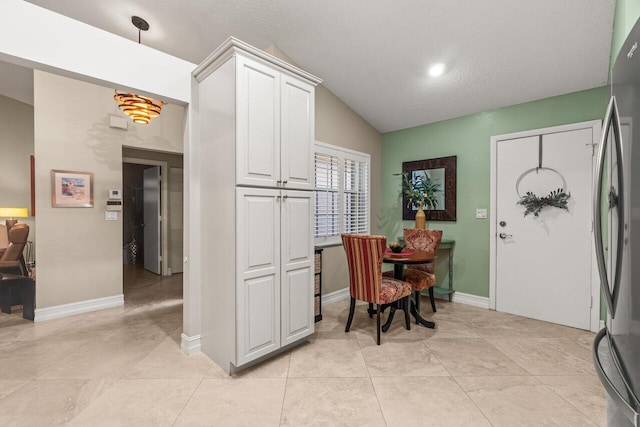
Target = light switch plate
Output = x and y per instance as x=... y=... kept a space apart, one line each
x=111 y=216
x=481 y=213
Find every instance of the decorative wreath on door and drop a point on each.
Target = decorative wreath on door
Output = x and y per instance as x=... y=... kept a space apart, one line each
x=532 y=202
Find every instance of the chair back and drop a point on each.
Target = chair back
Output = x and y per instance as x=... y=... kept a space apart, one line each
x=4 y=237
x=364 y=258
x=422 y=240
x=17 y=240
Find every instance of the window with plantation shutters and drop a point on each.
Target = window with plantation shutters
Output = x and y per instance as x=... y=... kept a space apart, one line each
x=355 y=207
x=341 y=193
x=327 y=218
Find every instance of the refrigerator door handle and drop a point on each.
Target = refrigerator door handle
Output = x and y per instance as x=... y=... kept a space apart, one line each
x=611 y=121
x=611 y=389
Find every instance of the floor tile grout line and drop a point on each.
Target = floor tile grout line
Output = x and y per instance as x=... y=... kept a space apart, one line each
x=195 y=389
x=472 y=401
x=559 y=395
x=286 y=385
x=426 y=344
x=375 y=392
x=509 y=357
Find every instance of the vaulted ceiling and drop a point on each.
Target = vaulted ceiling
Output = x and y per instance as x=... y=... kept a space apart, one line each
x=374 y=54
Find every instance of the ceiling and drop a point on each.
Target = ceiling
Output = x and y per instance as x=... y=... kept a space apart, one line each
x=374 y=54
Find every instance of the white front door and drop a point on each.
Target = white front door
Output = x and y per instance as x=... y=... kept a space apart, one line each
x=151 y=216
x=543 y=264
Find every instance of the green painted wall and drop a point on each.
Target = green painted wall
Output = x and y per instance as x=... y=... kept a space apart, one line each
x=626 y=15
x=468 y=138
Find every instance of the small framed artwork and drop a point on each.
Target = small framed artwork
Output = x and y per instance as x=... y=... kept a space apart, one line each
x=71 y=189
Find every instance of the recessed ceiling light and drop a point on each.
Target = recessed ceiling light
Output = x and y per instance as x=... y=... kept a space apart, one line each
x=436 y=69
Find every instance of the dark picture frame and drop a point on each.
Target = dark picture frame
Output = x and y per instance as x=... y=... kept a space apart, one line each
x=447 y=212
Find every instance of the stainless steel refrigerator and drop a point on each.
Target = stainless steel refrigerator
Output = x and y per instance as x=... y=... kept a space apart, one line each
x=616 y=349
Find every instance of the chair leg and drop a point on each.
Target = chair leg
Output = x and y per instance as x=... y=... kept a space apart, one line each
x=432 y=299
x=352 y=308
x=416 y=300
x=406 y=304
x=378 y=323
x=23 y=266
x=370 y=310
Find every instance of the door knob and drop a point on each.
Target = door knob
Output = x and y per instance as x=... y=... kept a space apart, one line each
x=504 y=236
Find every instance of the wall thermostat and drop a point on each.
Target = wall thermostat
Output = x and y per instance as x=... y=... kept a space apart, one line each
x=114 y=205
x=115 y=195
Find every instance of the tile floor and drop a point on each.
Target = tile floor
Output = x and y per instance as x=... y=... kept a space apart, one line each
x=124 y=367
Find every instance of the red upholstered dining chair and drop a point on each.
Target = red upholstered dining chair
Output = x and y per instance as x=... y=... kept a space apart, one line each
x=427 y=241
x=421 y=276
x=364 y=258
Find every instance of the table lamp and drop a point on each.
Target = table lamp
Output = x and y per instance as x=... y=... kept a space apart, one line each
x=12 y=214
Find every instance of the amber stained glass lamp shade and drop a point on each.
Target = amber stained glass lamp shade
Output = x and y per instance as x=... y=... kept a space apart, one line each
x=140 y=108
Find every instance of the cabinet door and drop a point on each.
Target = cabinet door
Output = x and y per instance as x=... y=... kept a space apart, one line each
x=258 y=124
x=298 y=116
x=297 y=266
x=258 y=272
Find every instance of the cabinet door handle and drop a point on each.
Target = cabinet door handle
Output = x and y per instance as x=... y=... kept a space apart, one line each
x=279 y=182
x=277 y=198
x=284 y=182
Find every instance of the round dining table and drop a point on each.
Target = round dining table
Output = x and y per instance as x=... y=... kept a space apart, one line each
x=399 y=261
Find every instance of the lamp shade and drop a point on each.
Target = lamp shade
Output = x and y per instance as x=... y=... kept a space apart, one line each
x=140 y=108
x=14 y=212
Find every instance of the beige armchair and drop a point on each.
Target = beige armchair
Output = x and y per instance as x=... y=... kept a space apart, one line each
x=12 y=260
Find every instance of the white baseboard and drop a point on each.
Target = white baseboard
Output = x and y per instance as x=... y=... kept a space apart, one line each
x=190 y=345
x=339 y=295
x=64 y=310
x=474 y=300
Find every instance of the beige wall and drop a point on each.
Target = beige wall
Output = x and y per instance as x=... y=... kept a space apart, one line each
x=338 y=124
x=16 y=145
x=79 y=254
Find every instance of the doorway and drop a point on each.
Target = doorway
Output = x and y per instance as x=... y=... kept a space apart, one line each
x=152 y=210
x=542 y=266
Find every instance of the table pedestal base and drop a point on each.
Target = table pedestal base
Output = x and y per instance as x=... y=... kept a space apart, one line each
x=419 y=319
x=402 y=305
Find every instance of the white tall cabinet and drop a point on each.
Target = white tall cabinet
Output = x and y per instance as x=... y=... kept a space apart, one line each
x=255 y=125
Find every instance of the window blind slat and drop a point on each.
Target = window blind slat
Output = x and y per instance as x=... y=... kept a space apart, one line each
x=341 y=193
x=327 y=211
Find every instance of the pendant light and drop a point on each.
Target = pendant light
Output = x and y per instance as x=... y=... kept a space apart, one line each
x=140 y=108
